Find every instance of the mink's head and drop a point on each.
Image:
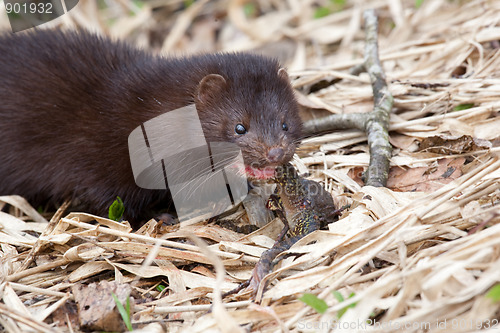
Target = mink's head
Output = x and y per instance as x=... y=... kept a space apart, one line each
x=248 y=100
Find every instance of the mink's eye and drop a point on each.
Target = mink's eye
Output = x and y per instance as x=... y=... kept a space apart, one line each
x=240 y=129
x=284 y=127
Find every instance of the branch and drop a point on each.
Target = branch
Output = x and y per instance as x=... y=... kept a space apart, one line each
x=376 y=123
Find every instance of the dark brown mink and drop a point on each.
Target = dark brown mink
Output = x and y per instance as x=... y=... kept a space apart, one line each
x=69 y=100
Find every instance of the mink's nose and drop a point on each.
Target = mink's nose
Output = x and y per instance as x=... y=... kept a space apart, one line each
x=275 y=155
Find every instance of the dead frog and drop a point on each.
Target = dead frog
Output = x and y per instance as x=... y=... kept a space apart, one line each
x=303 y=205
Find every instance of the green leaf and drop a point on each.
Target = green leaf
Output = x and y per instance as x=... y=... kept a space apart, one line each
x=124 y=312
x=418 y=3
x=322 y=12
x=249 y=9
x=116 y=210
x=494 y=293
x=160 y=287
x=138 y=3
x=338 y=5
x=128 y=313
x=188 y=3
x=101 y=4
x=314 y=302
x=338 y=296
x=14 y=16
x=461 y=107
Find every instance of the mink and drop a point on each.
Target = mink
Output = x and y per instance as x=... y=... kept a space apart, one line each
x=70 y=99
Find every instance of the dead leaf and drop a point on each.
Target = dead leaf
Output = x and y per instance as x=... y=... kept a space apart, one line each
x=425 y=179
x=97 y=309
x=448 y=145
x=356 y=174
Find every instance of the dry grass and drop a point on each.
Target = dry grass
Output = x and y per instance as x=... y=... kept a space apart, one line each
x=425 y=260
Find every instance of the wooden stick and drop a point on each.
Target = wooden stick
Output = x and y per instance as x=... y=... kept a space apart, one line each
x=376 y=123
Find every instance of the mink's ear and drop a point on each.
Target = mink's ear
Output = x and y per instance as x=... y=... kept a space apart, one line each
x=210 y=87
x=282 y=73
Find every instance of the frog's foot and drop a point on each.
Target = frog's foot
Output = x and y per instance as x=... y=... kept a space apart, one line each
x=259 y=272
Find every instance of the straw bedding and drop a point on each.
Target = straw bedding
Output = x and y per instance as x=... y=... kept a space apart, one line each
x=421 y=256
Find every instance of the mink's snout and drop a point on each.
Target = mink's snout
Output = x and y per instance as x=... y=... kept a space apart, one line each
x=275 y=154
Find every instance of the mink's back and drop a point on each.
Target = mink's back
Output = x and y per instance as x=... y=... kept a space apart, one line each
x=63 y=118
x=68 y=102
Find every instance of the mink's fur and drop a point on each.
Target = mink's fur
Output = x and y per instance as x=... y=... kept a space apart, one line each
x=69 y=100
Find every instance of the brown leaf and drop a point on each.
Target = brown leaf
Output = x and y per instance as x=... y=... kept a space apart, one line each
x=67 y=312
x=448 y=145
x=356 y=173
x=425 y=179
x=97 y=309
x=402 y=141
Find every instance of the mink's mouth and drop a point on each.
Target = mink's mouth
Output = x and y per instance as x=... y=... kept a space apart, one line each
x=254 y=172
x=260 y=173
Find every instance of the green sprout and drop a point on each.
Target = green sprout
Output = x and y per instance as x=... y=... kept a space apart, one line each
x=461 y=107
x=116 y=210
x=494 y=293
x=314 y=302
x=338 y=296
x=124 y=311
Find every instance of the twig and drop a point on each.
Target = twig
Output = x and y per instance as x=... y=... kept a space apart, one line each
x=200 y=307
x=376 y=123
